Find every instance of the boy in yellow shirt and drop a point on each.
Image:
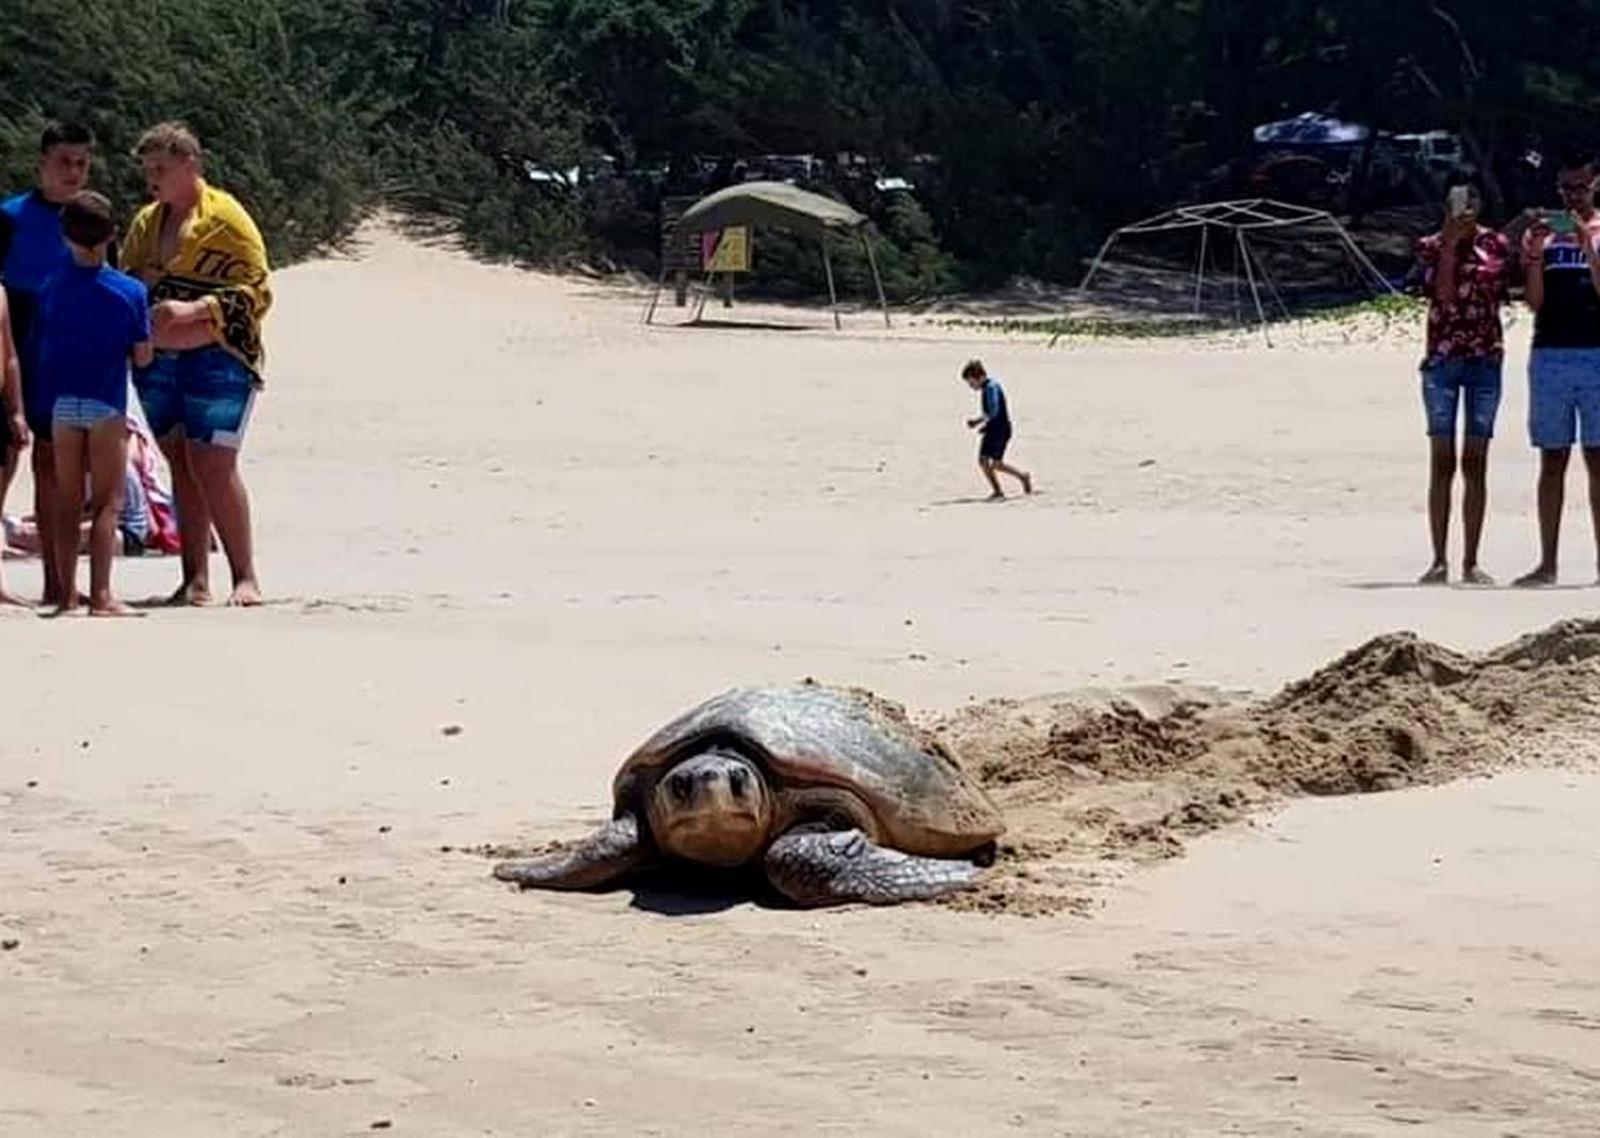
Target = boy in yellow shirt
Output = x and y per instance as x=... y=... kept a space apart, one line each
x=204 y=262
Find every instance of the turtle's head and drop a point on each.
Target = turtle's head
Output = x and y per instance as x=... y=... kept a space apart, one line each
x=713 y=807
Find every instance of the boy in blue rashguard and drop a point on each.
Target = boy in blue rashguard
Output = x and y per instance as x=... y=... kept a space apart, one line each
x=995 y=427
x=92 y=321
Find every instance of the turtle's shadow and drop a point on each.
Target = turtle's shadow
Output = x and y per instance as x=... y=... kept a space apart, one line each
x=672 y=892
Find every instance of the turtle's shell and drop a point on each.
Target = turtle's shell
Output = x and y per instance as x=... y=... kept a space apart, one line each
x=812 y=735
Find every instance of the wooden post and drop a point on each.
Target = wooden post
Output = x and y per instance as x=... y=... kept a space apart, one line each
x=876 y=279
x=833 y=298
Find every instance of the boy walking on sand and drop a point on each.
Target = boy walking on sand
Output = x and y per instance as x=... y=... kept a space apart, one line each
x=995 y=427
x=92 y=321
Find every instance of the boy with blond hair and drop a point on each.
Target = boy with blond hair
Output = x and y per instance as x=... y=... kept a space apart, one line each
x=204 y=262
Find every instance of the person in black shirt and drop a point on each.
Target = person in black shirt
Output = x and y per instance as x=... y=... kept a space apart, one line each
x=1561 y=268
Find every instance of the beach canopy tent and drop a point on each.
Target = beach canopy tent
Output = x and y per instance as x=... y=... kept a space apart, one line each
x=1260 y=254
x=783 y=206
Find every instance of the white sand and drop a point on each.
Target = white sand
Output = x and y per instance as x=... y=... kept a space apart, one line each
x=493 y=499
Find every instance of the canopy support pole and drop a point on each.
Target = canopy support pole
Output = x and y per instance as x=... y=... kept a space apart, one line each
x=661 y=282
x=1362 y=259
x=1255 y=293
x=705 y=293
x=833 y=297
x=1200 y=267
x=1099 y=259
x=876 y=279
x=1266 y=278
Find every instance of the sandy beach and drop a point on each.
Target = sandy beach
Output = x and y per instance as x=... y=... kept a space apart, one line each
x=507 y=531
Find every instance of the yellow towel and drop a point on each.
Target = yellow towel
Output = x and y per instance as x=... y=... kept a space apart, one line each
x=220 y=259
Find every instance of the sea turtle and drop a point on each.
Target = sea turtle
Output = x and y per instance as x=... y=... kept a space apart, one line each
x=832 y=791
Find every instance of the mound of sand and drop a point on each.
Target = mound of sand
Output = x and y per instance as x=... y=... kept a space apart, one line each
x=1090 y=782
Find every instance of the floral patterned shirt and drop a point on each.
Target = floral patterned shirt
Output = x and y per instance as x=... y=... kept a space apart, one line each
x=1467 y=325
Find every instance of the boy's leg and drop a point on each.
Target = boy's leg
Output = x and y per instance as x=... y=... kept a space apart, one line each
x=1020 y=475
x=1474 y=499
x=218 y=396
x=194 y=522
x=46 y=510
x=216 y=469
x=1591 y=459
x=1552 y=491
x=987 y=466
x=8 y=470
x=108 y=464
x=58 y=535
x=1441 y=479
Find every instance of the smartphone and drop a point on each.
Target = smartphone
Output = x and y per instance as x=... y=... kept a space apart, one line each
x=1560 y=223
x=1459 y=201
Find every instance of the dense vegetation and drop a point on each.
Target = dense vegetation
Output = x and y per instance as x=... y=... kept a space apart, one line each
x=1026 y=126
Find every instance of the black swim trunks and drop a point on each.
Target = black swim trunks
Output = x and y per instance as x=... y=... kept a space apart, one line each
x=992 y=443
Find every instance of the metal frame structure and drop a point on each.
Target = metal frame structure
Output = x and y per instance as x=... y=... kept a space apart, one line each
x=1237 y=219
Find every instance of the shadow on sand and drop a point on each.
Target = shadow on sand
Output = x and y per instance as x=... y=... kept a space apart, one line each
x=985 y=500
x=671 y=891
x=746 y=325
x=1457 y=586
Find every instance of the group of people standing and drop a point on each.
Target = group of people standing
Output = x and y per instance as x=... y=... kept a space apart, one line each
x=1466 y=271
x=179 y=300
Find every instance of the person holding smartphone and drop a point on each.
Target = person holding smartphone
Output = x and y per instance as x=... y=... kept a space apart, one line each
x=1561 y=272
x=1466 y=273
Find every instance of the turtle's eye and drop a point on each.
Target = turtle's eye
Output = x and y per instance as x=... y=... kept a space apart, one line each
x=737 y=781
x=681 y=783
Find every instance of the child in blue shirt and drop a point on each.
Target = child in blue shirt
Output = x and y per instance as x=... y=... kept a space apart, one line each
x=92 y=321
x=995 y=427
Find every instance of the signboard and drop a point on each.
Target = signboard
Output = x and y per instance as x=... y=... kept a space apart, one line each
x=683 y=254
x=727 y=251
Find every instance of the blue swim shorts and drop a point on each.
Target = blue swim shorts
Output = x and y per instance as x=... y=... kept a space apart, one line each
x=205 y=391
x=1564 y=397
x=1474 y=381
x=70 y=411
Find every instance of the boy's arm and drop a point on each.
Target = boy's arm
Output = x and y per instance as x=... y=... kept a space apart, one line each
x=1586 y=242
x=1534 y=239
x=11 y=380
x=141 y=351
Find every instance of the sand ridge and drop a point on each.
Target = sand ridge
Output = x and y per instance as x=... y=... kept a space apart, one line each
x=1082 y=783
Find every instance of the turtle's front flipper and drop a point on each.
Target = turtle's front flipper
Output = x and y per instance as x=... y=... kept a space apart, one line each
x=604 y=855
x=839 y=866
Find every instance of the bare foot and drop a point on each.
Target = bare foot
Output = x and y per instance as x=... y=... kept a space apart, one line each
x=11 y=599
x=1538 y=579
x=1027 y=484
x=246 y=594
x=1438 y=574
x=189 y=594
x=71 y=605
x=1472 y=575
x=997 y=496
x=113 y=608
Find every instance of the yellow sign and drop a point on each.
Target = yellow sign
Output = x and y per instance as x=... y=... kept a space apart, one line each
x=727 y=251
